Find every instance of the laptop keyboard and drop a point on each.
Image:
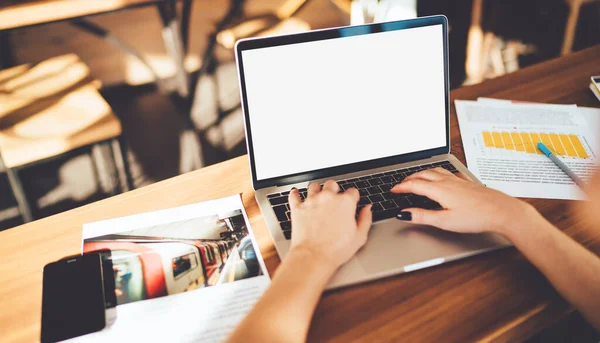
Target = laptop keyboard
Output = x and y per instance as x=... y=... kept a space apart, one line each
x=374 y=189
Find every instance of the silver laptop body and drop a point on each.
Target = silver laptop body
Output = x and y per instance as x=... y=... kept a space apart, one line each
x=345 y=103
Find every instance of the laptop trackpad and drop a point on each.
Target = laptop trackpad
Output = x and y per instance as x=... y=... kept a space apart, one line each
x=394 y=245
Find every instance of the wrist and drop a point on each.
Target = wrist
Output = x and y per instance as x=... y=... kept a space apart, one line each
x=311 y=261
x=518 y=223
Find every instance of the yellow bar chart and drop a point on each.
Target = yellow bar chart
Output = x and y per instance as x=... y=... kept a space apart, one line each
x=561 y=144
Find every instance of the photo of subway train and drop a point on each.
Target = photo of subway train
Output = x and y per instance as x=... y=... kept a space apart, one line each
x=178 y=257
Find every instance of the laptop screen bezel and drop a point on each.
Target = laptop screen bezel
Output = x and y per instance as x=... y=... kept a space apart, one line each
x=258 y=43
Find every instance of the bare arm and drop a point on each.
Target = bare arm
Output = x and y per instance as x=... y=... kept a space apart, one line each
x=285 y=310
x=573 y=270
x=470 y=207
x=325 y=236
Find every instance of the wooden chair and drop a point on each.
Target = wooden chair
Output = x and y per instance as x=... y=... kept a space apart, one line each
x=216 y=109
x=571 y=27
x=52 y=108
x=480 y=48
x=266 y=24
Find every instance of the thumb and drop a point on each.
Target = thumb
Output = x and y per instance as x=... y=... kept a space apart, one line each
x=422 y=216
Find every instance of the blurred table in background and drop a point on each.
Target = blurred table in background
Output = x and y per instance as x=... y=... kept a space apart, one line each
x=175 y=32
x=50 y=109
x=22 y=14
x=19 y=14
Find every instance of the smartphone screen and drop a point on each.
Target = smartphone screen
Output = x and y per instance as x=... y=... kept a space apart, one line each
x=72 y=298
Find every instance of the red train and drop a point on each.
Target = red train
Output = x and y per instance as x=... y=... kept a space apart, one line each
x=146 y=269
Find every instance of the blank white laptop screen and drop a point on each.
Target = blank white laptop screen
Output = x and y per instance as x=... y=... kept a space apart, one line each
x=338 y=101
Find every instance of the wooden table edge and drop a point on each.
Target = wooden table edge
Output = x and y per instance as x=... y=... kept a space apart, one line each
x=105 y=9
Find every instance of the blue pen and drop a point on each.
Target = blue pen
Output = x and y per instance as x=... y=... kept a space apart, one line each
x=543 y=148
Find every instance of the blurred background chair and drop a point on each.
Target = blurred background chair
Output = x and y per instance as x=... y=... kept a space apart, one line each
x=16 y=189
x=216 y=110
x=490 y=56
x=371 y=11
x=571 y=27
x=264 y=24
x=50 y=109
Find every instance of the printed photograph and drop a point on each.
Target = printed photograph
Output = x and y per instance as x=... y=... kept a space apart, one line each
x=178 y=257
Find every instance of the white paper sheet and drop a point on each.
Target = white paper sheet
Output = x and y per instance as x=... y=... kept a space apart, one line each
x=199 y=313
x=512 y=165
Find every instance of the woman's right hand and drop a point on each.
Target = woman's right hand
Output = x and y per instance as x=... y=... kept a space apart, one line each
x=468 y=207
x=325 y=225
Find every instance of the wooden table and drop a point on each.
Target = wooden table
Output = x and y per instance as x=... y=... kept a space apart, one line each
x=492 y=297
x=19 y=14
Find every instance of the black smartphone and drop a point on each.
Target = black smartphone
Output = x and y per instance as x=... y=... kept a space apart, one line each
x=73 y=298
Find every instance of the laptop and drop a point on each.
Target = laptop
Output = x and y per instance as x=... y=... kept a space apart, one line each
x=363 y=105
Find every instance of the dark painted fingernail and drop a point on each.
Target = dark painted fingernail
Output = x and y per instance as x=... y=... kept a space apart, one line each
x=406 y=216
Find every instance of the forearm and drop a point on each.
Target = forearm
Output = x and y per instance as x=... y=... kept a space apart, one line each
x=284 y=312
x=573 y=270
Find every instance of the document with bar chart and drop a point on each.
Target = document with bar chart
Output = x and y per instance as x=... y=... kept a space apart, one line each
x=500 y=142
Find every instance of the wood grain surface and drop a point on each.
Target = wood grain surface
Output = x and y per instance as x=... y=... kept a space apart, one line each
x=19 y=14
x=497 y=297
x=51 y=108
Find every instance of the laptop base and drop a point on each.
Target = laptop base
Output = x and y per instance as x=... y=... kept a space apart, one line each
x=393 y=247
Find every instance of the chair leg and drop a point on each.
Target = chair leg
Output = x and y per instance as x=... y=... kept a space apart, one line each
x=110 y=166
x=95 y=169
x=486 y=55
x=19 y=193
x=7 y=59
x=571 y=27
x=120 y=146
x=186 y=13
x=174 y=45
x=190 y=151
x=473 y=63
x=117 y=185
